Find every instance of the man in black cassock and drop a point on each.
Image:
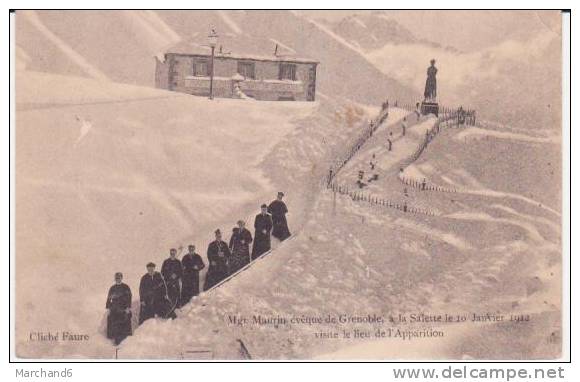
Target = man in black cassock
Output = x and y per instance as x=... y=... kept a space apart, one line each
x=278 y=210
x=218 y=255
x=119 y=310
x=153 y=296
x=192 y=264
x=172 y=271
x=263 y=226
x=240 y=247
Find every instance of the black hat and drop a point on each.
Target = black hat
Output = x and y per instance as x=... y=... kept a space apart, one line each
x=217 y=231
x=149 y=265
x=280 y=193
x=118 y=275
x=191 y=246
x=263 y=206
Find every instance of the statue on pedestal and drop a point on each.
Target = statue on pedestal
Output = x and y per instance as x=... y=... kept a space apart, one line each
x=431 y=84
x=429 y=104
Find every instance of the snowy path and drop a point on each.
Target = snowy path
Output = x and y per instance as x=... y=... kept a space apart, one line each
x=312 y=187
x=388 y=163
x=394 y=118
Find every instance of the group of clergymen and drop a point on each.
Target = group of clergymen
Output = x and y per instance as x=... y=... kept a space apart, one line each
x=160 y=294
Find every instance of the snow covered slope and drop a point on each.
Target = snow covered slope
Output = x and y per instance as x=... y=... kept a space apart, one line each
x=73 y=43
x=372 y=30
x=111 y=176
x=481 y=255
x=114 y=179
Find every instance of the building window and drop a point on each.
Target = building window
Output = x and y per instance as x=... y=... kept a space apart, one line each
x=287 y=72
x=247 y=69
x=200 y=68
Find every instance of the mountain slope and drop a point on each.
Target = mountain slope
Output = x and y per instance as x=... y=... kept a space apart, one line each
x=125 y=52
x=112 y=177
x=481 y=255
x=373 y=30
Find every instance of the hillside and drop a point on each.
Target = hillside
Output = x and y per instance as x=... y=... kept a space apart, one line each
x=112 y=173
x=481 y=254
x=72 y=43
x=108 y=184
x=373 y=30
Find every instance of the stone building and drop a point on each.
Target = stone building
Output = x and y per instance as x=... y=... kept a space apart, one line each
x=275 y=77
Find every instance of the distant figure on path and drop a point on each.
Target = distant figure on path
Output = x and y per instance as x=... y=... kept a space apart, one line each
x=192 y=264
x=218 y=255
x=372 y=162
x=373 y=165
x=359 y=182
x=263 y=225
x=240 y=247
x=404 y=125
x=119 y=310
x=460 y=116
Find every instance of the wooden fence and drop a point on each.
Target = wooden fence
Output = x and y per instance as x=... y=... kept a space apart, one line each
x=343 y=159
x=424 y=186
x=443 y=123
x=359 y=196
x=448 y=118
x=467 y=116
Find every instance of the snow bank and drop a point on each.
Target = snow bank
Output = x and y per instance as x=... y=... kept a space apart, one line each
x=480 y=133
x=36 y=89
x=149 y=173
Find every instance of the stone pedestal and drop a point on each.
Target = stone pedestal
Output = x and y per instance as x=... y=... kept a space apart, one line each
x=429 y=108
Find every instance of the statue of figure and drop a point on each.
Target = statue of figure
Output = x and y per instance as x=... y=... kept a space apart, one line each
x=431 y=84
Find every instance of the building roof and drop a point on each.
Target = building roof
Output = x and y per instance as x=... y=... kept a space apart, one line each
x=250 y=48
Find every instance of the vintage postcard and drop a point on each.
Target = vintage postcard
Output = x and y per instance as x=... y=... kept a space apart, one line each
x=288 y=185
